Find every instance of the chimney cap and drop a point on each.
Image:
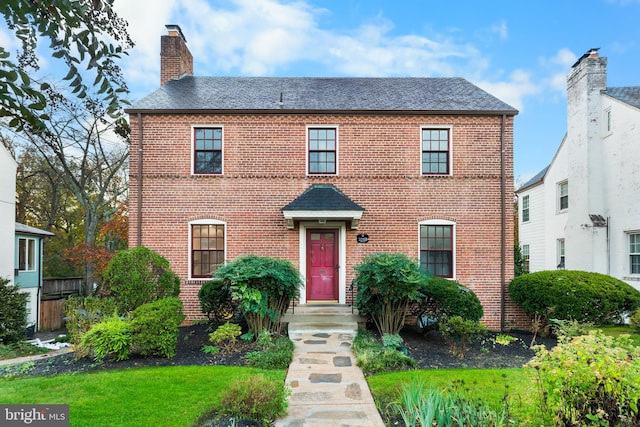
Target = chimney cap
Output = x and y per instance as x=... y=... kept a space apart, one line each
x=175 y=30
x=591 y=53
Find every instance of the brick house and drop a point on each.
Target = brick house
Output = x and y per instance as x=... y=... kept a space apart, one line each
x=322 y=172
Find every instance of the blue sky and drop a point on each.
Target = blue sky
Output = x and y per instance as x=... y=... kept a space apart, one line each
x=518 y=51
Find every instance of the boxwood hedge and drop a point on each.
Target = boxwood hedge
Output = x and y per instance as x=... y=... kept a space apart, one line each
x=577 y=295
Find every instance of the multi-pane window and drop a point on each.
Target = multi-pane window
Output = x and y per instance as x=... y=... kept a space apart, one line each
x=563 y=195
x=525 y=258
x=207 y=249
x=561 y=264
x=26 y=254
x=634 y=253
x=435 y=151
x=322 y=150
x=525 y=209
x=207 y=156
x=436 y=249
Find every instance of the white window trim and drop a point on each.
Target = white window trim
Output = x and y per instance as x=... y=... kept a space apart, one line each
x=628 y=252
x=193 y=150
x=454 y=252
x=337 y=129
x=34 y=261
x=559 y=195
x=204 y=222
x=607 y=125
x=526 y=196
x=450 y=166
x=561 y=252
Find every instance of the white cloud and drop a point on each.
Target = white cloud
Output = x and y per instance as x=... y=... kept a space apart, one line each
x=501 y=30
x=514 y=90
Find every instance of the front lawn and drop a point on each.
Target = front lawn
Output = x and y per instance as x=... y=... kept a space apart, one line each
x=162 y=396
x=489 y=385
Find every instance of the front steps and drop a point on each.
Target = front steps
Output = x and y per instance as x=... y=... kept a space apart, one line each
x=323 y=317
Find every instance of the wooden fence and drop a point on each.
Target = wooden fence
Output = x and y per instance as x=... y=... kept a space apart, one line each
x=55 y=292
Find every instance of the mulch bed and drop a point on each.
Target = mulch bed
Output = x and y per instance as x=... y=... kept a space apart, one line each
x=428 y=349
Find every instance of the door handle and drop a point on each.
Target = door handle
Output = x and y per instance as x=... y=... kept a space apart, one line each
x=337 y=268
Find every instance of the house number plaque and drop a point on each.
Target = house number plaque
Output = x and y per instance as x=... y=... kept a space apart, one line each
x=363 y=238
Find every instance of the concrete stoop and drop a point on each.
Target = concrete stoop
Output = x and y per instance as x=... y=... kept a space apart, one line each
x=327 y=388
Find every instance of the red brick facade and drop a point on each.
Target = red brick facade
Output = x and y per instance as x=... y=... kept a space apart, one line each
x=379 y=168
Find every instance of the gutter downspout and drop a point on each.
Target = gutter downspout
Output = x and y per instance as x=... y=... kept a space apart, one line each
x=503 y=228
x=139 y=221
x=40 y=267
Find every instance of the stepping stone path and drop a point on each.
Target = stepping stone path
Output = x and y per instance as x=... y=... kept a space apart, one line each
x=327 y=388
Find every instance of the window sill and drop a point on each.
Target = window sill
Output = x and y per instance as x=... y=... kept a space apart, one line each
x=634 y=278
x=197 y=281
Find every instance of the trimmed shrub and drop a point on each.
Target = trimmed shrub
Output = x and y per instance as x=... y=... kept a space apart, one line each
x=110 y=337
x=387 y=284
x=577 y=295
x=589 y=380
x=276 y=355
x=216 y=301
x=374 y=357
x=446 y=298
x=457 y=332
x=154 y=327
x=263 y=287
x=255 y=398
x=138 y=276
x=634 y=320
x=13 y=313
x=226 y=335
x=81 y=313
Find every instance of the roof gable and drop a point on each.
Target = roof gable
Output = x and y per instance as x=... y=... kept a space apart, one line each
x=627 y=94
x=276 y=94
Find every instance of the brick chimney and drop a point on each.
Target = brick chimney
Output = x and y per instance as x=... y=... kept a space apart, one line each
x=175 y=59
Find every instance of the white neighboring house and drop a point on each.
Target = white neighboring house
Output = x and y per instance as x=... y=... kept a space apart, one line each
x=8 y=168
x=582 y=212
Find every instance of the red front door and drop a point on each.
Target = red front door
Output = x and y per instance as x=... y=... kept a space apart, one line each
x=322 y=265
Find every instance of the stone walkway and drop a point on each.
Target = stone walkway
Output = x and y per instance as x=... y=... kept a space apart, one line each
x=328 y=389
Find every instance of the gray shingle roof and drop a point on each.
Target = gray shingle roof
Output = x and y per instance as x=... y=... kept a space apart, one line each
x=26 y=229
x=322 y=197
x=627 y=94
x=321 y=94
x=537 y=178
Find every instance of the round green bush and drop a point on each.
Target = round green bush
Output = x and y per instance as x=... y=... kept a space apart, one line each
x=446 y=298
x=216 y=301
x=154 y=327
x=109 y=337
x=576 y=295
x=137 y=276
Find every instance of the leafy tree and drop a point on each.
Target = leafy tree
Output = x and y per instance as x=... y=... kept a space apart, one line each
x=86 y=35
x=387 y=284
x=263 y=287
x=89 y=167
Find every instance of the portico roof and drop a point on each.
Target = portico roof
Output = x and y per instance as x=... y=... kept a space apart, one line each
x=322 y=202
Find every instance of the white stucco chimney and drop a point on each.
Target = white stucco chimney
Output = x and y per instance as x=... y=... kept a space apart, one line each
x=585 y=118
x=175 y=59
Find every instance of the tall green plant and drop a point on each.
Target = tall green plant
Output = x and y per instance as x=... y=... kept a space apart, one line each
x=263 y=288
x=13 y=313
x=589 y=380
x=387 y=284
x=138 y=276
x=81 y=313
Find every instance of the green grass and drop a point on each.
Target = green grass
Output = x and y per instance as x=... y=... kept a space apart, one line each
x=163 y=396
x=487 y=384
x=20 y=349
x=617 y=330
